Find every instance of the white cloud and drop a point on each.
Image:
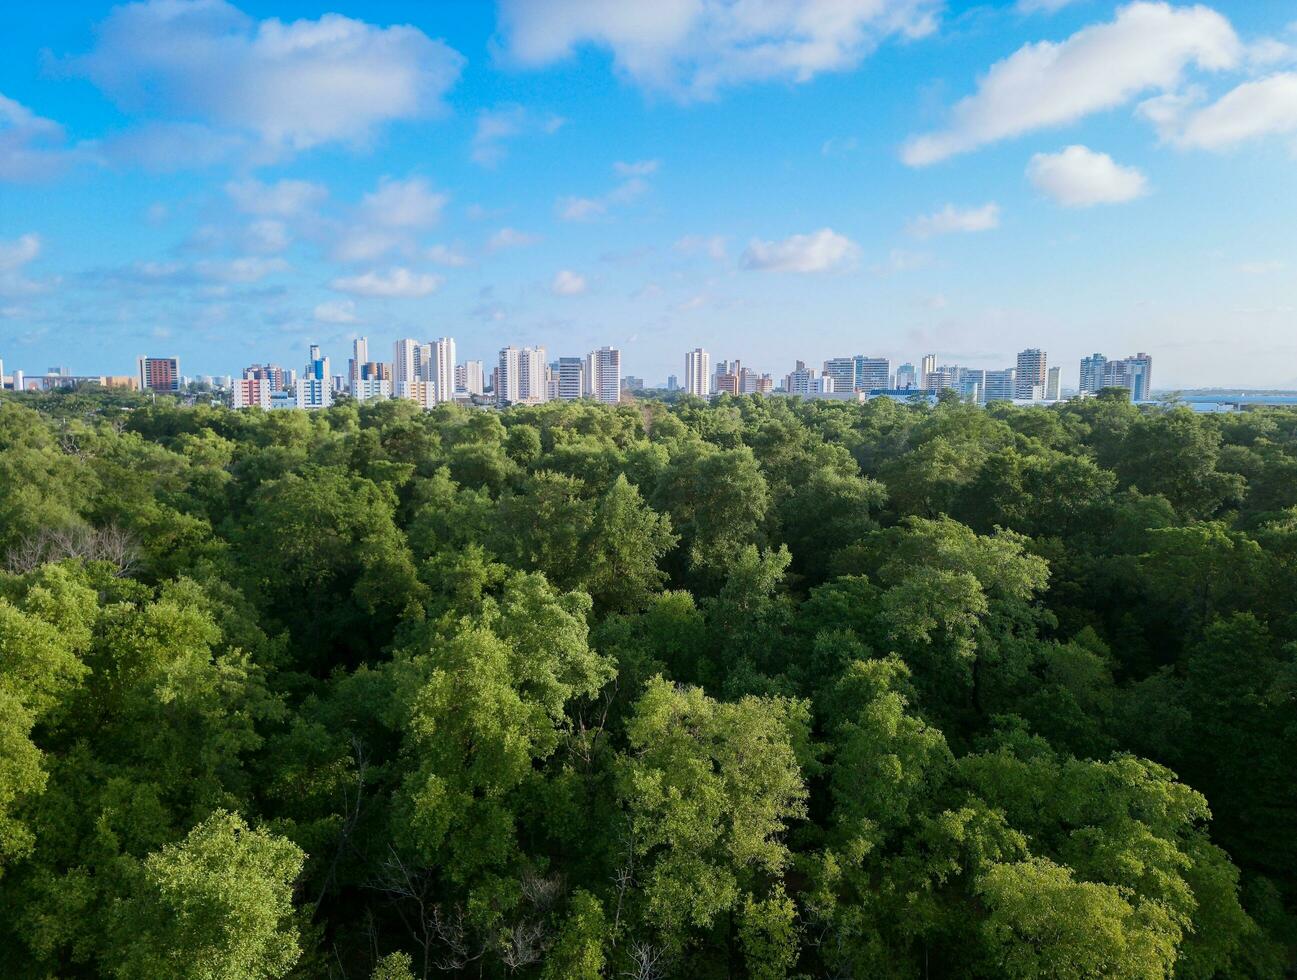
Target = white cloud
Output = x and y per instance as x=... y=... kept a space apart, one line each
x=1043 y=6
x=30 y=146
x=634 y=184
x=580 y=208
x=386 y=220
x=1079 y=177
x=398 y=283
x=247 y=269
x=266 y=236
x=713 y=246
x=951 y=219
x=1253 y=109
x=1148 y=46
x=408 y=203
x=816 y=252
x=336 y=311
x=166 y=147
x=18 y=252
x=510 y=238
x=293 y=85
x=14 y=255
x=568 y=283
x=361 y=244
x=447 y=256
x=636 y=168
x=282 y=199
x=694 y=48
x=496 y=127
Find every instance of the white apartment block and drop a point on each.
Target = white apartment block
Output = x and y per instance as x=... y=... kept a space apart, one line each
x=605 y=375
x=698 y=373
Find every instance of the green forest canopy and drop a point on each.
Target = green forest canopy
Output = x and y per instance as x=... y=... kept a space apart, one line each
x=764 y=688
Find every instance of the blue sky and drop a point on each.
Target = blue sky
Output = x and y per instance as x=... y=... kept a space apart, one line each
x=772 y=180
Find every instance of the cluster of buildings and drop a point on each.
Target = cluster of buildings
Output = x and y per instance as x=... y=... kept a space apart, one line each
x=149 y=369
x=526 y=376
x=428 y=373
x=858 y=377
x=1135 y=374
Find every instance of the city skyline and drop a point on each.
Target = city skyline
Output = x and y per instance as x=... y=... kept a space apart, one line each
x=903 y=178
x=428 y=373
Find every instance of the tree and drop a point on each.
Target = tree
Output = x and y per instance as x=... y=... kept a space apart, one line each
x=709 y=789
x=217 y=905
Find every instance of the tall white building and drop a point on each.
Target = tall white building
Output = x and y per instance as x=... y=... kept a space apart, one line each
x=441 y=369
x=926 y=367
x=799 y=380
x=470 y=378
x=532 y=388
x=371 y=389
x=605 y=375
x=359 y=358
x=698 y=373
x=506 y=376
x=405 y=361
x=313 y=393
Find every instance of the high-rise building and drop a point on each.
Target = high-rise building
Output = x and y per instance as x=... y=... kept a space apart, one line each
x=532 y=386
x=469 y=378
x=999 y=386
x=371 y=389
x=907 y=376
x=726 y=379
x=159 y=373
x=1032 y=374
x=250 y=392
x=926 y=367
x=359 y=356
x=872 y=373
x=317 y=366
x=1054 y=386
x=1135 y=374
x=698 y=373
x=605 y=375
x=280 y=379
x=843 y=372
x=673 y=384
x=800 y=379
x=441 y=370
x=941 y=378
x=506 y=376
x=571 y=378
x=1092 y=370
x=1141 y=376
x=422 y=393
x=406 y=361
x=313 y=393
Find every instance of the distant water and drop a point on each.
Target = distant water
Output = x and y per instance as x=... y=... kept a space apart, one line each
x=1222 y=400
x=1242 y=397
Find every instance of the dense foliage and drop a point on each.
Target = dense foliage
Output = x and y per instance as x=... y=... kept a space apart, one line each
x=763 y=688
